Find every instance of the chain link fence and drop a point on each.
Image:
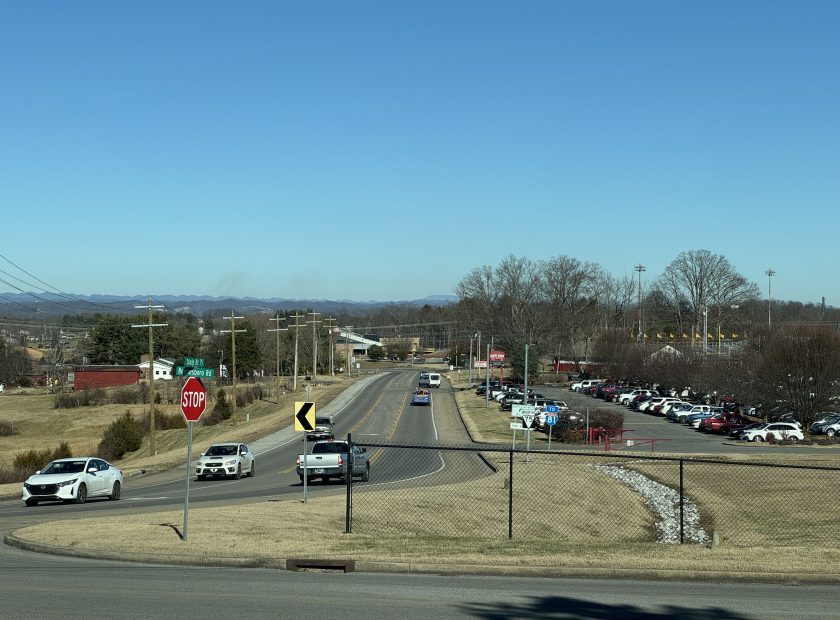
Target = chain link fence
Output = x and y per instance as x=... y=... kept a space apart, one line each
x=436 y=492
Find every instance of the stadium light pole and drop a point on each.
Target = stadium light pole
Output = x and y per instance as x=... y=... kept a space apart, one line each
x=640 y=268
x=769 y=273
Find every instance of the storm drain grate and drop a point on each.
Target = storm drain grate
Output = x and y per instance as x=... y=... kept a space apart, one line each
x=347 y=566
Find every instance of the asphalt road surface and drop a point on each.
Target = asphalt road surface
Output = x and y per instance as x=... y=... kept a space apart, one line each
x=44 y=587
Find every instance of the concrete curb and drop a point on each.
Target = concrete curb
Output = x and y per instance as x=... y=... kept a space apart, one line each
x=433 y=568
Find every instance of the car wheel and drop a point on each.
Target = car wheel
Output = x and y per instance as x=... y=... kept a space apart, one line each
x=758 y=439
x=200 y=477
x=253 y=471
x=81 y=495
x=238 y=474
x=116 y=491
x=830 y=432
x=31 y=502
x=366 y=475
x=301 y=479
x=793 y=439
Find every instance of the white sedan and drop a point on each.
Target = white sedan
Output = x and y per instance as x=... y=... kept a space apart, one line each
x=779 y=431
x=73 y=480
x=226 y=459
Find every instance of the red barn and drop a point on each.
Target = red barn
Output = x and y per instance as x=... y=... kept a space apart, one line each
x=104 y=376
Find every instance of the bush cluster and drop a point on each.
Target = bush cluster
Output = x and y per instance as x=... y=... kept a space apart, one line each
x=27 y=463
x=125 y=434
x=163 y=421
x=7 y=429
x=248 y=395
x=85 y=398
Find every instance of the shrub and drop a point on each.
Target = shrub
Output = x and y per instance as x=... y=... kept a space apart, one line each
x=27 y=463
x=211 y=418
x=7 y=429
x=125 y=434
x=222 y=407
x=126 y=396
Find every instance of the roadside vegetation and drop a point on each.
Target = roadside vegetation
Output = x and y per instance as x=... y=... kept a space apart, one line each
x=121 y=435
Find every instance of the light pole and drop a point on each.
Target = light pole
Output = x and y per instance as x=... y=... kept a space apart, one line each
x=640 y=268
x=469 y=372
x=769 y=273
x=705 y=329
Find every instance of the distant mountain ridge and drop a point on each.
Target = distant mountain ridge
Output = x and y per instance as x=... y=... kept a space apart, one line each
x=52 y=303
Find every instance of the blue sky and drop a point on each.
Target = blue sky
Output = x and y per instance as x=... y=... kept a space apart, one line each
x=382 y=150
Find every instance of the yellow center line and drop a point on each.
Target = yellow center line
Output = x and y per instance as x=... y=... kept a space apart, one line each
x=393 y=429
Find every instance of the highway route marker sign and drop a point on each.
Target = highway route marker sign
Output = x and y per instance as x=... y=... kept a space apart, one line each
x=551 y=419
x=552 y=408
x=527 y=420
x=304 y=416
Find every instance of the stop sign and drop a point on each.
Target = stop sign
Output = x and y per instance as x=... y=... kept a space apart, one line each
x=193 y=399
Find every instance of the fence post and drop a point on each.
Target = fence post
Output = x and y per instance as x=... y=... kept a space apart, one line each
x=348 y=506
x=510 y=494
x=682 y=505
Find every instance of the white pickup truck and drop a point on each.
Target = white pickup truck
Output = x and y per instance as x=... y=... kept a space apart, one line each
x=328 y=459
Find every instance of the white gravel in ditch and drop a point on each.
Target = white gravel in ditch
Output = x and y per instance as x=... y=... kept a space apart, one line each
x=665 y=502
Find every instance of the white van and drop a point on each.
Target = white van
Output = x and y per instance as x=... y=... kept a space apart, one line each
x=434 y=380
x=582 y=385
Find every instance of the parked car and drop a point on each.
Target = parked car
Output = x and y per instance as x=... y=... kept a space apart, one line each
x=779 y=431
x=736 y=433
x=625 y=397
x=822 y=423
x=579 y=386
x=684 y=414
x=73 y=480
x=723 y=424
x=695 y=419
x=677 y=409
x=832 y=429
x=225 y=460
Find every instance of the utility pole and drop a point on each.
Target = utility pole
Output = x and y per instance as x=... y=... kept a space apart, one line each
x=640 y=268
x=296 y=316
x=233 y=331
x=769 y=273
x=277 y=331
x=330 y=327
x=151 y=325
x=314 y=324
x=347 y=329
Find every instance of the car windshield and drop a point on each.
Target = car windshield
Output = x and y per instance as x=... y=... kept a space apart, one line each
x=221 y=451
x=64 y=467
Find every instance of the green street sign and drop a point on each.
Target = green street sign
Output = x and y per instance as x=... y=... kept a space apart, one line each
x=202 y=373
x=195 y=362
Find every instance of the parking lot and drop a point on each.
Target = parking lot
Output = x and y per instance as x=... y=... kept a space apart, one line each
x=670 y=436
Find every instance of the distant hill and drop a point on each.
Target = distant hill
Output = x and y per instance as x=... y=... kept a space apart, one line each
x=27 y=304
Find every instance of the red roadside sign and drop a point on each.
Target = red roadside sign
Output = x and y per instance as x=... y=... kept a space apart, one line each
x=193 y=399
x=497 y=356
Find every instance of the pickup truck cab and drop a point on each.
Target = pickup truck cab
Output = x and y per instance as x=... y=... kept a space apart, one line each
x=329 y=459
x=324 y=428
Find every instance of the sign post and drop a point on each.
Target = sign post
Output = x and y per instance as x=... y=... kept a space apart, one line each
x=193 y=402
x=305 y=421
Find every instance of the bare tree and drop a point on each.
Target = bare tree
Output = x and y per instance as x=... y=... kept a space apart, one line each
x=697 y=280
x=802 y=366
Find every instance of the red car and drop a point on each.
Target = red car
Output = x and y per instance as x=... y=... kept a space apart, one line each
x=723 y=424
